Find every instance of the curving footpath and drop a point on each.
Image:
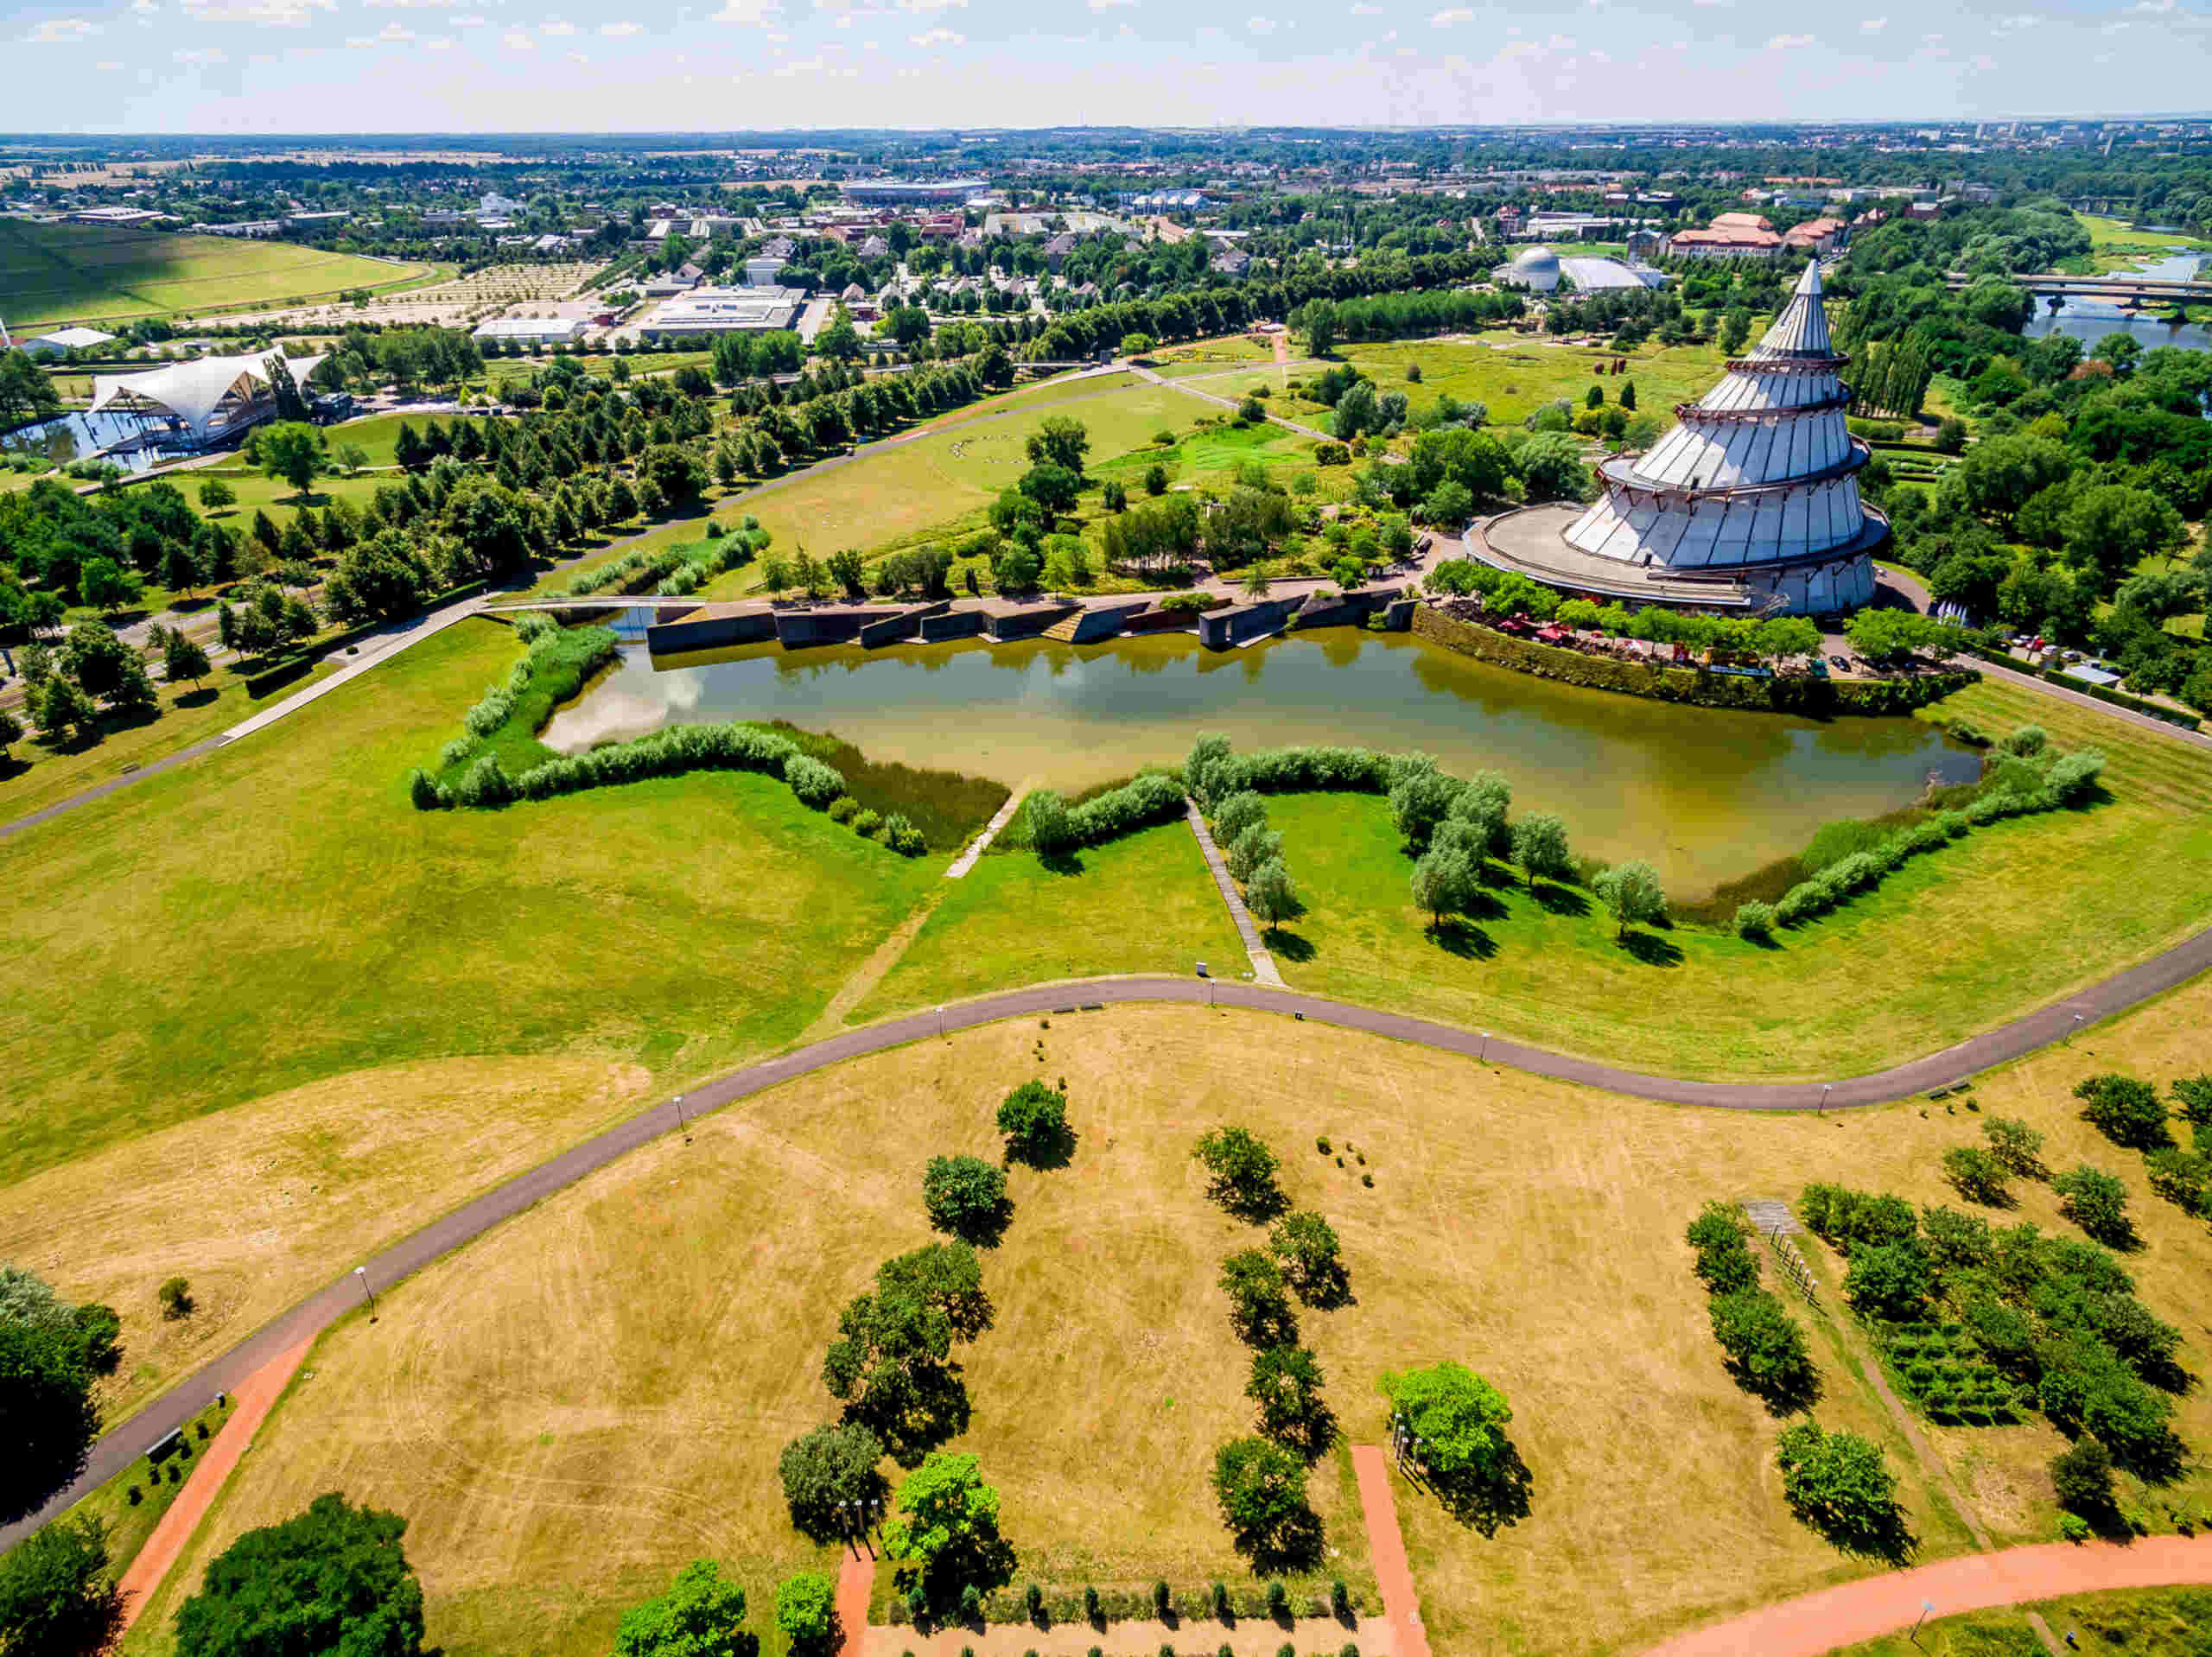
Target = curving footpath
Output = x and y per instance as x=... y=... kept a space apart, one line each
x=1856 y=1611
x=121 y=1445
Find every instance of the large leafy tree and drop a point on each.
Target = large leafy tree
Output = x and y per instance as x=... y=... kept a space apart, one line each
x=944 y=1527
x=966 y=1196
x=699 y=1616
x=1034 y=1119
x=25 y=393
x=1261 y=1489
x=55 y=1597
x=829 y=1466
x=1458 y=1418
x=945 y=1277
x=1061 y=440
x=1240 y=1172
x=292 y=450
x=335 y=1579
x=51 y=1356
x=1837 y=1483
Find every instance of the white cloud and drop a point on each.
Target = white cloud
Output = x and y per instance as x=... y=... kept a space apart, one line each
x=557 y=26
x=390 y=34
x=145 y=7
x=57 y=31
x=620 y=30
x=280 y=14
x=927 y=8
x=2013 y=24
x=1362 y=9
x=201 y=55
x=1261 y=25
x=1789 y=42
x=515 y=40
x=469 y=19
x=1873 y=25
x=1108 y=5
x=2152 y=8
x=750 y=14
x=1453 y=14
x=930 y=38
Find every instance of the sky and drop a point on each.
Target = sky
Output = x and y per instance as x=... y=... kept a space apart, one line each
x=553 y=65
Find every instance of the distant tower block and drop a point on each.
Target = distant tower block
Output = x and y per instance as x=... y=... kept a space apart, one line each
x=1755 y=489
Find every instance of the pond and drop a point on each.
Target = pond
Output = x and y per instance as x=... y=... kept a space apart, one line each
x=74 y=437
x=2090 y=320
x=1706 y=795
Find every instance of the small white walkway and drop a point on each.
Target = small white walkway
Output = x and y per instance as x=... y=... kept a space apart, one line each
x=377 y=648
x=976 y=846
x=1264 y=964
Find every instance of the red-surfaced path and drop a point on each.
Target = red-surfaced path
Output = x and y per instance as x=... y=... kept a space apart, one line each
x=256 y=1395
x=856 y=1581
x=1855 y=1611
x=1386 y=1544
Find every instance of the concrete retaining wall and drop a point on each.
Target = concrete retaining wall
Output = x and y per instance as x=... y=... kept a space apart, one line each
x=1219 y=629
x=710 y=633
x=1025 y=624
x=952 y=624
x=1104 y=620
x=905 y=624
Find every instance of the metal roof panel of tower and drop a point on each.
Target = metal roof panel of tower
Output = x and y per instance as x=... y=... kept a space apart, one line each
x=1801 y=330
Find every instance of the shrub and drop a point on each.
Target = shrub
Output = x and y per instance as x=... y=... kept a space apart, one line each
x=1339 y=1599
x=2082 y=1477
x=1765 y=1346
x=902 y=837
x=2026 y=741
x=1034 y=1119
x=1278 y=1600
x=971 y=1607
x=1889 y=1280
x=175 y=1299
x=816 y=783
x=844 y=809
x=806 y=1609
x=1847 y=1219
x=964 y=1196
x=1240 y=811
x=866 y=824
x=1724 y=1260
x=1222 y=1609
x=1755 y=920
x=2125 y=1111
x=1312 y=1257
x=1976 y=1175
x=1259 y=1309
x=2072 y=1527
x=2016 y=1146
x=1162 y=1602
x=1839 y=1483
x=2095 y=1201
x=1240 y=1170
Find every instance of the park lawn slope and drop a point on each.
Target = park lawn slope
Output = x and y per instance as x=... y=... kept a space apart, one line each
x=2017 y=914
x=1142 y=903
x=277 y=912
x=595 y=1394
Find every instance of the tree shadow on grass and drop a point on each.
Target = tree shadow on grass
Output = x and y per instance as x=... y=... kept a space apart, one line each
x=1295 y=1546
x=1652 y=949
x=1310 y=1438
x=1783 y=1396
x=1482 y=1503
x=1484 y=906
x=1055 y=1150
x=1458 y=937
x=198 y=698
x=1556 y=899
x=1294 y=946
x=1060 y=862
x=934 y=1410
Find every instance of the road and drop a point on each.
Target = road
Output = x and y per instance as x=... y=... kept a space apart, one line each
x=123 y=1444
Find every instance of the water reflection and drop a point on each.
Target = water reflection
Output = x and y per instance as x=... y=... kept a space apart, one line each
x=1706 y=795
x=79 y=436
x=2091 y=319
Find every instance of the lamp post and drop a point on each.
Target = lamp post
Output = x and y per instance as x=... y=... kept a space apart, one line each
x=1826 y=1088
x=940 y=1023
x=2070 y=1034
x=362 y=1273
x=1926 y=1606
x=679 y=1102
x=1485 y=1059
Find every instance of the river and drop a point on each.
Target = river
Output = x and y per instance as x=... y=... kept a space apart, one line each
x=2090 y=320
x=1706 y=795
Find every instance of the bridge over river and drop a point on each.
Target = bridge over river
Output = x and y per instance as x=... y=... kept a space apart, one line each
x=2120 y=287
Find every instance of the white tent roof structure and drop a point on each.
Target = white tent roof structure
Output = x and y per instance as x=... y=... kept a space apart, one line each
x=205 y=397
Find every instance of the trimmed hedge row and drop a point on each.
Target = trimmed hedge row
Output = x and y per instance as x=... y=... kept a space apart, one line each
x=1214 y=771
x=670 y=571
x=665 y=753
x=1697 y=687
x=1050 y=824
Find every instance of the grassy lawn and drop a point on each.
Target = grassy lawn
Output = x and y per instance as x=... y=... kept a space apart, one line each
x=2142 y=1622
x=1141 y=905
x=1950 y=944
x=93 y=273
x=596 y=1393
x=1516 y=374
x=132 y=1502
x=35 y=776
x=277 y=912
x=2115 y=244
x=311 y=1180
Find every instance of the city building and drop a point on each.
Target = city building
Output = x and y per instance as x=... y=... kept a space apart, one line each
x=1749 y=503
x=761 y=272
x=722 y=310
x=1731 y=235
x=1814 y=236
x=1535 y=269
x=530 y=331
x=202 y=402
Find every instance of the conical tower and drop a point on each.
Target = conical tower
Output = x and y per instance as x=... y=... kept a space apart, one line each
x=1755 y=488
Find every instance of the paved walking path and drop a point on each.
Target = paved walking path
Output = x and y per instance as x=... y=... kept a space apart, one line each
x=856 y=1581
x=251 y=1407
x=118 y=1447
x=1264 y=964
x=1386 y=1546
x=1856 y=1611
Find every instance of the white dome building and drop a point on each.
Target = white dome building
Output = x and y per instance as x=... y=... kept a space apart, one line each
x=1750 y=502
x=1535 y=269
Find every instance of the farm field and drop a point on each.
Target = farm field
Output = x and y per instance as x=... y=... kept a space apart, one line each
x=90 y=273
x=593 y=1394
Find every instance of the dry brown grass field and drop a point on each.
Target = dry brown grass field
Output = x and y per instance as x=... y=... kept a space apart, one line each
x=570 y=1409
x=261 y=1205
